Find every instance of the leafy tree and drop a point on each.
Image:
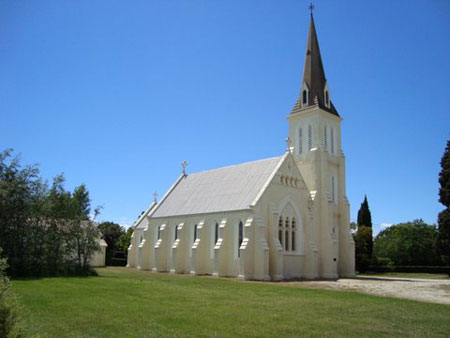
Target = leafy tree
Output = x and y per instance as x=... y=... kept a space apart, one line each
x=39 y=224
x=411 y=243
x=363 y=237
x=443 y=238
x=9 y=308
x=125 y=239
x=112 y=234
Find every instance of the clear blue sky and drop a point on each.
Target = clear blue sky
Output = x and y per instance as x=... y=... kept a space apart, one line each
x=115 y=94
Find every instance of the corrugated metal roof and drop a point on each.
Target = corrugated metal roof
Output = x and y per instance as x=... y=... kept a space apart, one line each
x=224 y=189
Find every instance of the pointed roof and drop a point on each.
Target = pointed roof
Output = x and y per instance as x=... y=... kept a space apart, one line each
x=225 y=189
x=314 y=74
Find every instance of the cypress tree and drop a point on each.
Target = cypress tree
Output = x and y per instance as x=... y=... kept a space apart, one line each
x=443 y=239
x=364 y=215
x=364 y=238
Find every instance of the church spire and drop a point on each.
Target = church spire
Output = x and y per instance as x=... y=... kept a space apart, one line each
x=314 y=89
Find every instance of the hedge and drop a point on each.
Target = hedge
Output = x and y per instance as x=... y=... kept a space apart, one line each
x=419 y=269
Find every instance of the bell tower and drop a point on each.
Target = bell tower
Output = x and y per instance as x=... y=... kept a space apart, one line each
x=314 y=128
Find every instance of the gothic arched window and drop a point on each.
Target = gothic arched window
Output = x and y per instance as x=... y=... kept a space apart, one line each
x=241 y=237
x=300 y=141
x=332 y=140
x=280 y=230
x=304 y=96
x=216 y=233
x=309 y=137
x=333 y=189
x=195 y=232
x=327 y=99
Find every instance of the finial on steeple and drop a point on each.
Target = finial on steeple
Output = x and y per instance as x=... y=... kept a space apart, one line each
x=311 y=7
x=155 y=195
x=184 y=164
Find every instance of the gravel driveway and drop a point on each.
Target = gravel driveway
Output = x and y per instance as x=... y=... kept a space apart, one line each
x=424 y=290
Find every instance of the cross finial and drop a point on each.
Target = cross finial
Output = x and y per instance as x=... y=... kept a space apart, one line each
x=155 y=195
x=311 y=7
x=184 y=164
x=288 y=144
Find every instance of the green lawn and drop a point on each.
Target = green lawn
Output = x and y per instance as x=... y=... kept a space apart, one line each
x=407 y=275
x=128 y=303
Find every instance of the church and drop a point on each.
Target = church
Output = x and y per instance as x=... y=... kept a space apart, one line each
x=279 y=218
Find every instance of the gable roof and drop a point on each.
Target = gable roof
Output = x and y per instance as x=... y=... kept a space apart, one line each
x=224 y=189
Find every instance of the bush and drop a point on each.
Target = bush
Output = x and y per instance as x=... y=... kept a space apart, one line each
x=9 y=307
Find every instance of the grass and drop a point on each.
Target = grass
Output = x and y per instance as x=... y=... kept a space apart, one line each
x=407 y=275
x=128 y=303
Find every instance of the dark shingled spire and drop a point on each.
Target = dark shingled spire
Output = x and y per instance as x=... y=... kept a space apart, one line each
x=314 y=75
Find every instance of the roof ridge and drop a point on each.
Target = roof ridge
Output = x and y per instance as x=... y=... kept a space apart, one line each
x=235 y=165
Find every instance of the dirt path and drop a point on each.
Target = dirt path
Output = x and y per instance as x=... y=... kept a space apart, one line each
x=424 y=290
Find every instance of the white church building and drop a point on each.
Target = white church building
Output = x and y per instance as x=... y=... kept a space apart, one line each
x=285 y=217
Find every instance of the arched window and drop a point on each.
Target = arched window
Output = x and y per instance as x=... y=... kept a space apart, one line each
x=333 y=189
x=300 y=141
x=280 y=230
x=293 y=241
x=141 y=239
x=309 y=137
x=332 y=140
x=286 y=234
x=195 y=232
x=216 y=233
x=325 y=136
x=327 y=99
x=286 y=240
x=241 y=237
x=304 y=96
x=159 y=232
x=176 y=232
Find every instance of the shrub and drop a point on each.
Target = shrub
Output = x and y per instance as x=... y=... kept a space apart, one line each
x=9 y=307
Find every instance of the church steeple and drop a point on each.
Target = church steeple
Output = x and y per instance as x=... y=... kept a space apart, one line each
x=314 y=89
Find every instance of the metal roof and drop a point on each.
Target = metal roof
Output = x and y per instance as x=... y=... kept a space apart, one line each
x=223 y=189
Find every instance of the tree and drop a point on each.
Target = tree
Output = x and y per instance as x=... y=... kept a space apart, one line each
x=363 y=237
x=125 y=239
x=411 y=244
x=112 y=234
x=39 y=224
x=443 y=238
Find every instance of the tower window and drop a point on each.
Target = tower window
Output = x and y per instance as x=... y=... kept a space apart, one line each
x=300 y=141
x=159 y=232
x=195 y=232
x=176 y=232
x=333 y=189
x=304 y=97
x=309 y=137
x=332 y=141
x=327 y=99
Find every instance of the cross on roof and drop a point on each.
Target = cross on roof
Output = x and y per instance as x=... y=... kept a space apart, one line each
x=184 y=164
x=155 y=195
x=311 y=7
